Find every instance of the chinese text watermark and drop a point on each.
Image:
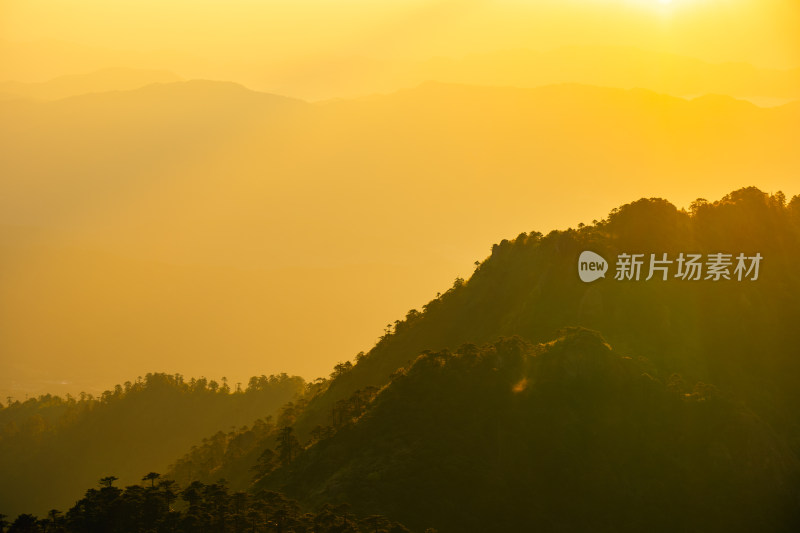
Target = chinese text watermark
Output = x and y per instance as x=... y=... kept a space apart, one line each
x=684 y=266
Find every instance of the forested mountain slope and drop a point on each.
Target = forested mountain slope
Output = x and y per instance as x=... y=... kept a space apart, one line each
x=524 y=398
x=739 y=335
x=688 y=423
x=52 y=448
x=562 y=436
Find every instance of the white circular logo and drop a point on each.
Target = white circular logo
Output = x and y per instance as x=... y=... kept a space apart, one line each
x=591 y=267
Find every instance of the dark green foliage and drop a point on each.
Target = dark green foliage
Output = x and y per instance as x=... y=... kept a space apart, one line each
x=250 y=453
x=205 y=508
x=741 y=336
x=564 y=436
x=688 y=424
x=673 y=452
x=230 y=455
x=136 y=427
x=246 y=453
x=288 y=446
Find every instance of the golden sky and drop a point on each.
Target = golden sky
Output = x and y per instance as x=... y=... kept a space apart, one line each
x=762 y=32
x=198 y=227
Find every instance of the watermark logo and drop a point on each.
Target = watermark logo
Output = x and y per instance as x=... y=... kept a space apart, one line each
x=591 y=267
x=684 y=266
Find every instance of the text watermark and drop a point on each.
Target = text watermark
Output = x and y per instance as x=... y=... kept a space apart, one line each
x=684 y=266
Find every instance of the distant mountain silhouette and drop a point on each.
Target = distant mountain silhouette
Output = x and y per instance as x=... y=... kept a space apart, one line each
x=108 y=79
x=323 y=77
x=624 y=67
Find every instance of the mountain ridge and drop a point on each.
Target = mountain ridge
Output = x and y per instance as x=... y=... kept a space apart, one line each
x=566 y=435
x=320 y=77
x=103 y=80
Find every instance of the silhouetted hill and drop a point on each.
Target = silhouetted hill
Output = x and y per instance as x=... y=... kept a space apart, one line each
x=53 y=447
x=562 y=436
x=688 y=423
x=737 y=335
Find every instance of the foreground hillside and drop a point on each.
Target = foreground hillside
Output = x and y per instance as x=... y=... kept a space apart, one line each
x=739 y=335
x=160 y=505
x=688 y=423
x=53 y=448
x=564 y=436
x=526 y=399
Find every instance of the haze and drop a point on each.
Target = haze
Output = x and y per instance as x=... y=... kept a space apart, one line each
x=340 y=162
